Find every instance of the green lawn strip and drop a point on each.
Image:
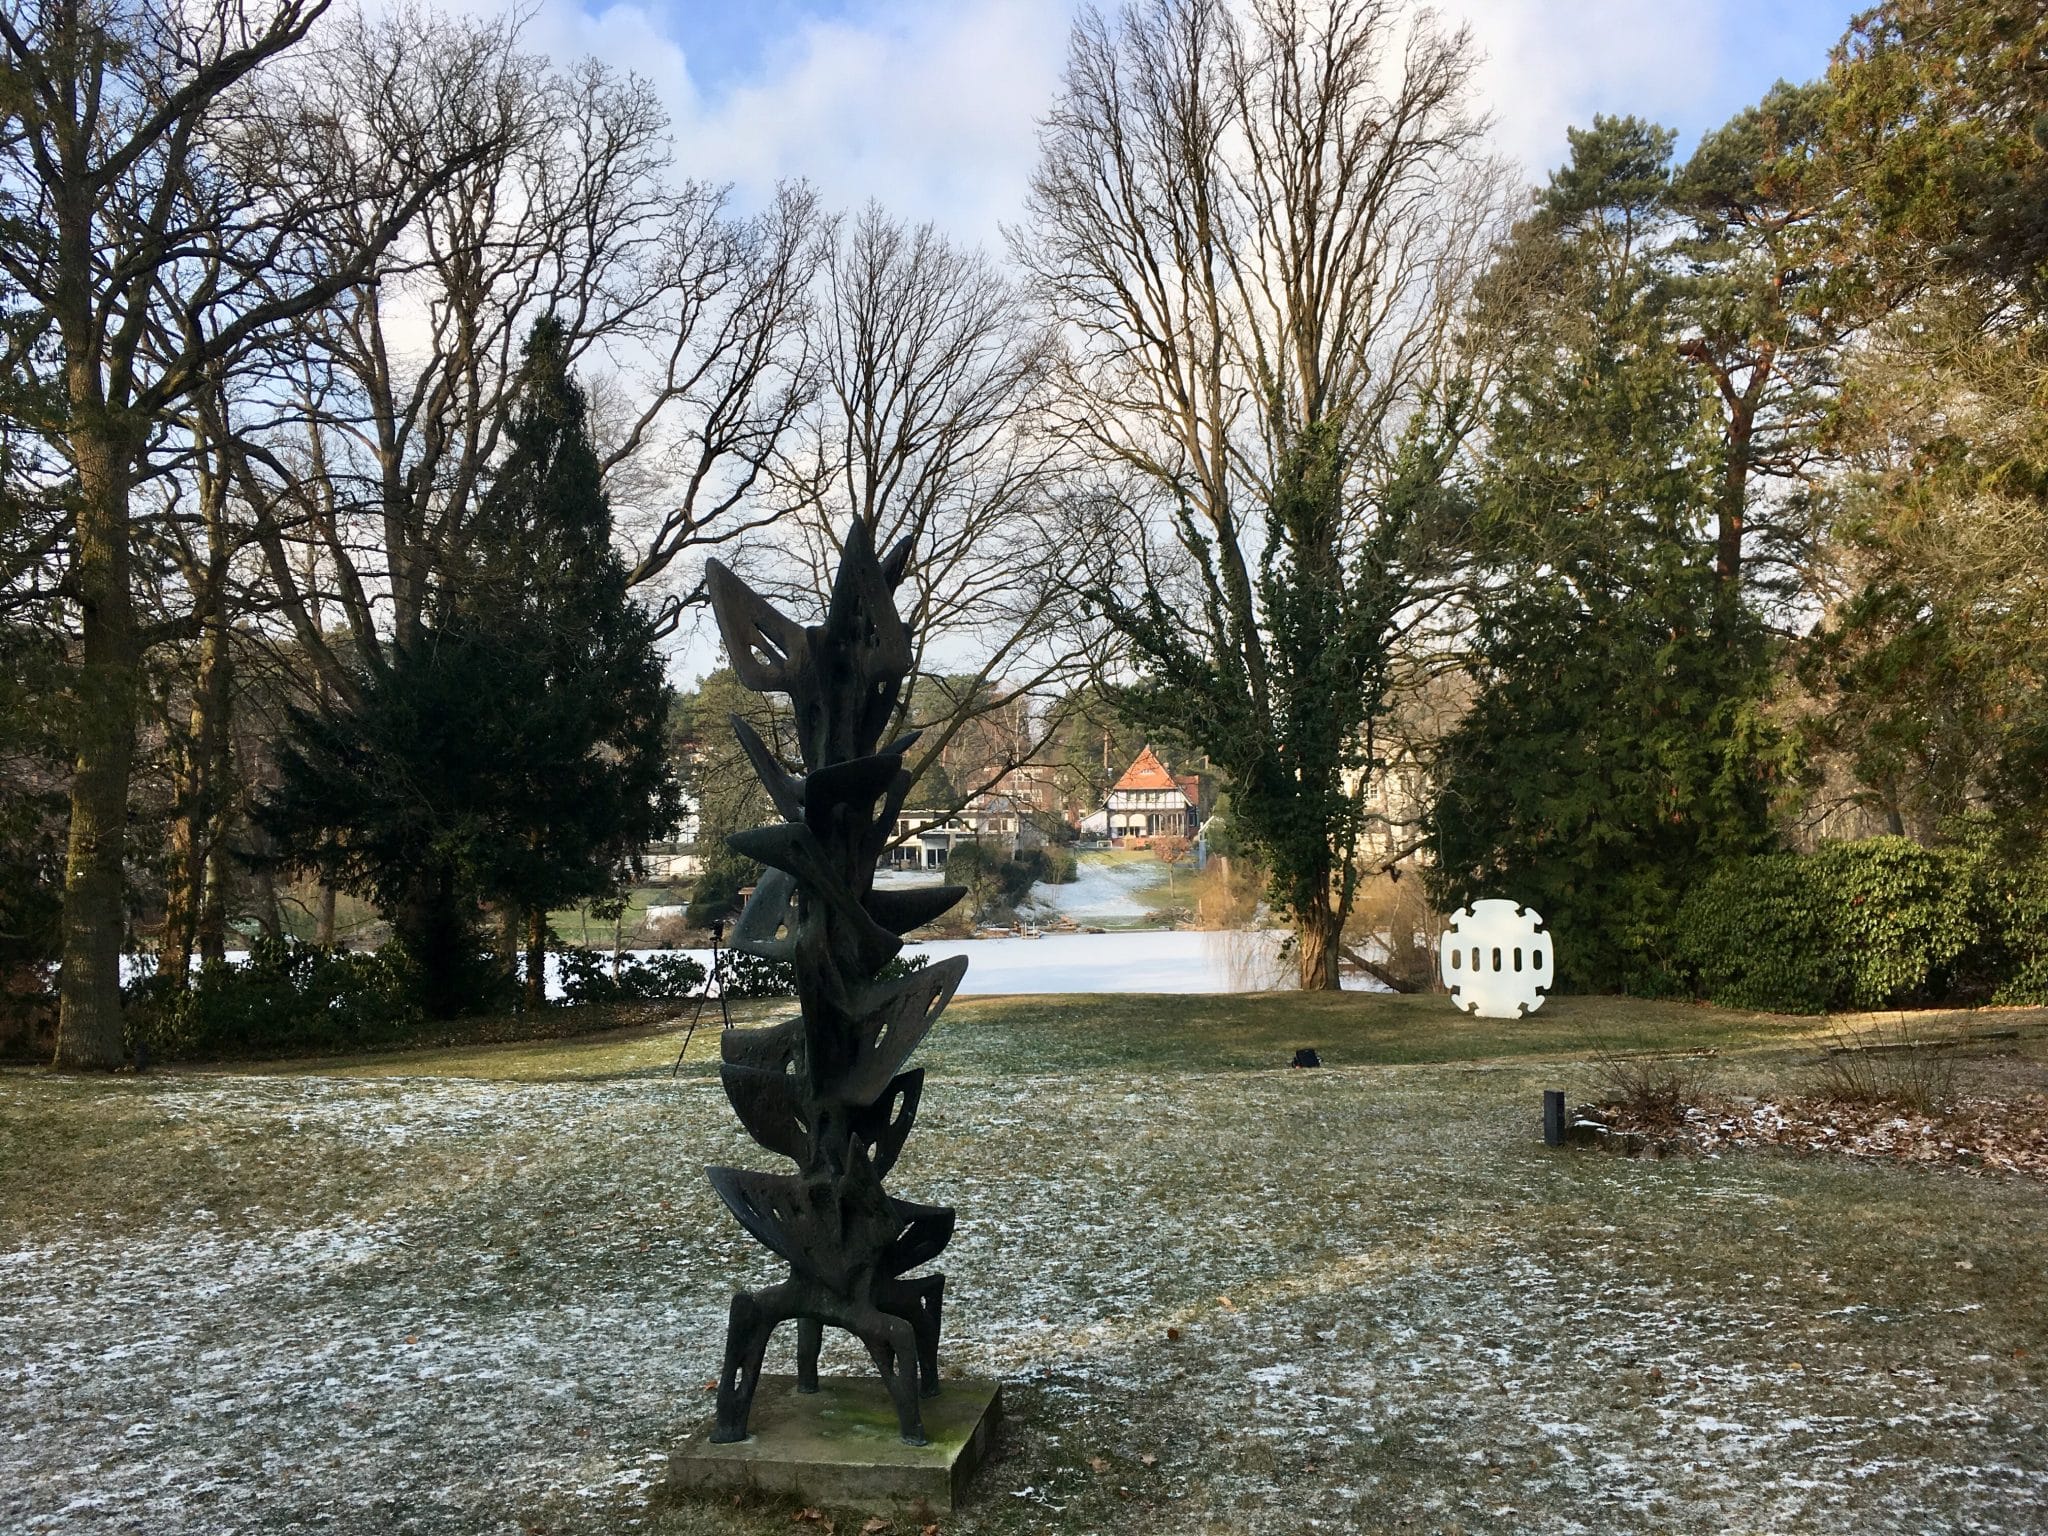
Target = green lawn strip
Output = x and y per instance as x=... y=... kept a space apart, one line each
x=1229 y=1033
x=1069 y=1033
x=578 y=926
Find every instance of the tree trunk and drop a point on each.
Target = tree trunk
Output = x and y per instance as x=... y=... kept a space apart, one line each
x=89 y=1028
x=508 y=943
x=213 y=911
x=323 y=932
x=195 y=895
x=184 y=876
x=537 y=959
x=269 y=909
x=1316 y=941
x=1377 y=972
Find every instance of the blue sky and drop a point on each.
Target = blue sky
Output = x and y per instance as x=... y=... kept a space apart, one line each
x=929 y=105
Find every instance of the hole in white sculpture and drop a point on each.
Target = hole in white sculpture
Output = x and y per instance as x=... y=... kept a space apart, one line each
x=1457 y=959
x=1518 y=957
x=1496 y=958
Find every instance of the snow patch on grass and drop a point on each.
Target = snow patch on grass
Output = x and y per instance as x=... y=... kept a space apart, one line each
x=1318 y=1300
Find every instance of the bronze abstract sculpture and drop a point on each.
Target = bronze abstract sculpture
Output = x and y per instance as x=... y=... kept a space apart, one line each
x=827 y=1088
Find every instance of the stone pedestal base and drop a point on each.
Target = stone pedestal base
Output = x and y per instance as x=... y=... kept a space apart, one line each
x=839 y=1445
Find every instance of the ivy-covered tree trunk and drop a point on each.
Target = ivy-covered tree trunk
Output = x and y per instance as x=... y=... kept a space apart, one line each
x=1318 y=941
x=1262 y=218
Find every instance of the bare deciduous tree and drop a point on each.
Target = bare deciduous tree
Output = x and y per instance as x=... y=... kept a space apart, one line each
x=372 y=441
x=1257 y=226
x=142 y=260
x=930 y=370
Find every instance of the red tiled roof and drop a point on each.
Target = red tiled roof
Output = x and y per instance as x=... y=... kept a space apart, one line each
x=1145 y=772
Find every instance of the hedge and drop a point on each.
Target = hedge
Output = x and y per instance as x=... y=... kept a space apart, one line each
x=1882 y=923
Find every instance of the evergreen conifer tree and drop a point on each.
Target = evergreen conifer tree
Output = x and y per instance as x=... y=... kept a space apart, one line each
x=1616 y=748
x=512 y=753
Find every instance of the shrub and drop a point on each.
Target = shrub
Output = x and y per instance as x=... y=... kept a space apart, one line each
x=287 y=997
x=1753 y=934
x=1054 y=864
x=588 y=977
x=1874 y=924
x=744 y=976
x=1656 y=1088
x=1893 y=1067
x=2011 y=873
x=747 y=976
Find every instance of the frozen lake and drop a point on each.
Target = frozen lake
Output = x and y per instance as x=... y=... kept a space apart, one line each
x=1121 y=962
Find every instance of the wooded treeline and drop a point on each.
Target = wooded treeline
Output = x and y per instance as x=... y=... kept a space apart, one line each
x=374 y=390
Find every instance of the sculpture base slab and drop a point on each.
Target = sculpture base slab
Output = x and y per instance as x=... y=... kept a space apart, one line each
x=839 y=1445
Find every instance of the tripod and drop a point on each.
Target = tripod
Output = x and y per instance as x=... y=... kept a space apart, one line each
x=711 y=979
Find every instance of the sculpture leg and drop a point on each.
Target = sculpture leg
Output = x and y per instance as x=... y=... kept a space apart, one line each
x=892 y=1344
x=930 y=1303
x=810 y=1338
x=919 y=1303
x=754 y=1317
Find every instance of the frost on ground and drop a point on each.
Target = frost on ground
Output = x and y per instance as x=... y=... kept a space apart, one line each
x=1345 y=1300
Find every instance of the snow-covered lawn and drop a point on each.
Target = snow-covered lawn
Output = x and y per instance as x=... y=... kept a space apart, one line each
x=1106 y=889
x=1119 y=962
x=1357 y=1299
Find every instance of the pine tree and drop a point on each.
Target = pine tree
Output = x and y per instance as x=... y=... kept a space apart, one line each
x=514 y=752
x=1616 y=748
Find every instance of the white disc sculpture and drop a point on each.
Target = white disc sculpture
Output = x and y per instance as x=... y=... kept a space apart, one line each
x=1497 y=959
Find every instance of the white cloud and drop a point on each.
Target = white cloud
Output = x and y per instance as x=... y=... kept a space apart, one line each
x=931 y=107
x=928 y=107
x=1549 y=66
x=931 y=111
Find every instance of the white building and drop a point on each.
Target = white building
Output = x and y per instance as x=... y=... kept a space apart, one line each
x=678 y=857
x=1149 y=802
x=924 y=838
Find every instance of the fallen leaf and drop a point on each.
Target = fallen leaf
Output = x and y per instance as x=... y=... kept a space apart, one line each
x=1225 y=1301
x=1097 y=1464
x=930 y=1530
x=875 y=1525
x=412 y=1338
x=810 y=1516
x=1173 y=1333
x=1148 y=1460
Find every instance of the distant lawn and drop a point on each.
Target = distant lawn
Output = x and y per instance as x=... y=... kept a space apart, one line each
x=482 y=1288
x=576 y=925
x=1079 y=1033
